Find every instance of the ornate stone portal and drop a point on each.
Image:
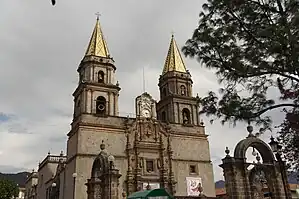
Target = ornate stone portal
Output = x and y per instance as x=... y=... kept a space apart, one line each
x=104 y=178
x=149 y=156
x=270 y=175
x=148 y=149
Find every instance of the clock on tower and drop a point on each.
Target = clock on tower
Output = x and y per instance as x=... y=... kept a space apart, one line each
x=145 y=106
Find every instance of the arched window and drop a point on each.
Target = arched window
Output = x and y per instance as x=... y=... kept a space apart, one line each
x=81 y=77
x=101 y=105
x=183 y=90
x=164 y=92
x=186 y=116
x=101 y=75
x=78 y=103
x=163 y=116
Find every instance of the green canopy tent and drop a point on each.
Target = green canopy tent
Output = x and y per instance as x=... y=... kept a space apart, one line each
x=151 y=194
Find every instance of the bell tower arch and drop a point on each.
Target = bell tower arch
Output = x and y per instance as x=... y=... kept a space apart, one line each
x=96 y=112
x=97 y=92
x=177 y=104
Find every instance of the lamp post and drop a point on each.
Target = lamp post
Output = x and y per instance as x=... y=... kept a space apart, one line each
x=276 y=148
x=74 y=183
x=110 y=160
x=53 y=190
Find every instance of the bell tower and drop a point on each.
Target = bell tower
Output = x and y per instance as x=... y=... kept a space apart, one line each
x=97 y=92
x=177 y=104
x=95 y=115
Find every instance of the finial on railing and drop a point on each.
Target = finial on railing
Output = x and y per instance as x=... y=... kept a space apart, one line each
x=227 y=151
x=102 y=146
x=258 y=158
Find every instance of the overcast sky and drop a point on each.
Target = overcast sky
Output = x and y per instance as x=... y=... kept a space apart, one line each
x=41 y=47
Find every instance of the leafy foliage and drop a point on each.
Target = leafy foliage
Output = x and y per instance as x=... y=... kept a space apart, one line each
x=19 y=178
x=289 y=136
x=8 y=189
x=252 y=45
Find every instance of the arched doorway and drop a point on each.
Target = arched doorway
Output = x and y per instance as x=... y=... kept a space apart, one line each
x=253 y=179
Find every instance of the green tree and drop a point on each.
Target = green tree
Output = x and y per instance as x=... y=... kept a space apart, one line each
x=8 y=189
x=252 y=45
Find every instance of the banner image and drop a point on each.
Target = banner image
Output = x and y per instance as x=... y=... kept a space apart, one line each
x=194 y=186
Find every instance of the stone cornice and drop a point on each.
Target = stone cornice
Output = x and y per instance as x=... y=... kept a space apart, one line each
x=181 y=99
x=96 y=60
x=95 y=86
x=51 y=159
x=188 y=135
x=174 y=75
x=121 y=129
x=190 y=160
x=31 y=176
x=125 y=157
x=91 y=156
x=98 y=127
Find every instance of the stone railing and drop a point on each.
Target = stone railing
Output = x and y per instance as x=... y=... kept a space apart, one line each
x=53 y=159
x=56 y=159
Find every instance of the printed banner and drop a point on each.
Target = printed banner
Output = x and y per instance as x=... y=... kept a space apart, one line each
x=194 y=186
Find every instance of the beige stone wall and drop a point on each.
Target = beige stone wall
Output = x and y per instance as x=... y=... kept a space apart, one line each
x=72 y=144
x=62 y=184
x=33 y=180
x=69 y=185
x=189 y=145
x=44 y=175
x=83 y=170
x=90 y=139
x=190 y=148
x=189 y=151
x=205 y=172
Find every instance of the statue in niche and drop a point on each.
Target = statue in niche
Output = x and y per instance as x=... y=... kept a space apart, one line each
x=140 y=163
x=258 y=183
x=101 y=76
x=166 y=162
x=186 y=116
x=158 y=163
x=149 y=130
x=132 y=162
x=183 y=90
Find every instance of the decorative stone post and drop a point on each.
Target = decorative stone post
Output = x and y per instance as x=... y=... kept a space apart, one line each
x=104 y=180
x=94 y=188
x=235 y=183
x=111 y=183
x=244 y=183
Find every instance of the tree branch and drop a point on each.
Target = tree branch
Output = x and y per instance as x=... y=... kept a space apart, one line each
x=269 y=73
x=244 y=27
x=273 y=107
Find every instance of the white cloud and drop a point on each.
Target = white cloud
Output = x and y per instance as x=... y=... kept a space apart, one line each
x=42 y=46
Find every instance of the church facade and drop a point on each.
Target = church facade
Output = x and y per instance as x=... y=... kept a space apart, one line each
x=163 y=146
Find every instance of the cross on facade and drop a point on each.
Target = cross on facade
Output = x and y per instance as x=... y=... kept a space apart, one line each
x=172 y=33
x=98 y=15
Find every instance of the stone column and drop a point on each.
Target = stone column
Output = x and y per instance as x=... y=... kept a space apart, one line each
x=235 y=181
x=281 y=186
x=111 y=180
x=94 y=189
x=130 y=182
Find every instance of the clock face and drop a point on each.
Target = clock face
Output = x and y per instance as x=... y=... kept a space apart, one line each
x=145 y=113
